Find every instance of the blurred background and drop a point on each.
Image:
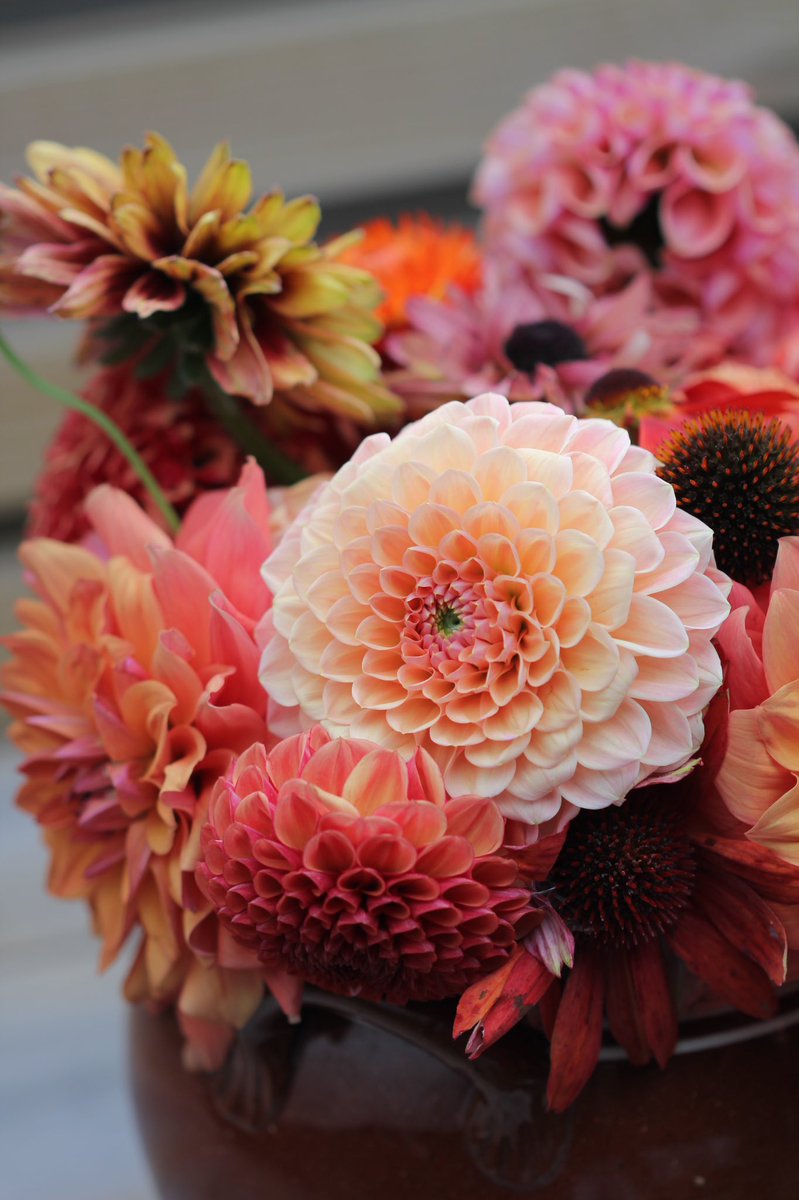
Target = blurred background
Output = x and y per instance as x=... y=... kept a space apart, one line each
x=373 y=105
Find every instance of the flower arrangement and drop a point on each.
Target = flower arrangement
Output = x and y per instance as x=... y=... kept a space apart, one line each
x=414 y=615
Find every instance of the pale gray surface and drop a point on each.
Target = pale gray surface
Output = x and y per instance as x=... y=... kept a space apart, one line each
x=67 y=1131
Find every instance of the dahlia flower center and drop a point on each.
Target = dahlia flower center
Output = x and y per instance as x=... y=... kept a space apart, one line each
x=544 y=343
x=441 y=618
x=448 y=621
x=624 y=874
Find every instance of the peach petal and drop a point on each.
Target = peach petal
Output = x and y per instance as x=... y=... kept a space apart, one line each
x=462 y=778
x=594 y=789
x=671 y=733
x=605 y=744
x=778 y=722
x=430 y=524
x=479 y=822
x=778 y=828
x=340 y=662
x=585 y=513
x=652 y=629
x=489 y=753
x=665 y=680
x=413 y=715
x=633 y=533
x=680 y=563
x=786 y=568
x=579 y=563
x=499 y=470
x=696 y=603
x=554 y=471
x=390 y=543
x=650 y=495
x=781 y=639
x=343 y=619
x=749 y=779
x=377 y=693
x=380 y=778
x=592 y=664
x=410 y=485
x=533 y=506
x=457 y=490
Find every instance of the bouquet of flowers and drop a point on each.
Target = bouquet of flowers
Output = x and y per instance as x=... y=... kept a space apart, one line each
x=414 y=613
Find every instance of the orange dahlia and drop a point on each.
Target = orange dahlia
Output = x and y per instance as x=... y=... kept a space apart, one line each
x=131 y=684
x=355 y=871
x=418 y=256
x=243 y=288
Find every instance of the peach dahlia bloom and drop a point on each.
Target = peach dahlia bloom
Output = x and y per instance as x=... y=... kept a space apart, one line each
x=338 y=861
x=131 y=684
x=510 y=588
x=759 y=777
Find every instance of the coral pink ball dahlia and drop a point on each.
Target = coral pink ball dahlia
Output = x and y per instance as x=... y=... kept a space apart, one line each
x=336 y=860
x=660 y=163
x=512 y=589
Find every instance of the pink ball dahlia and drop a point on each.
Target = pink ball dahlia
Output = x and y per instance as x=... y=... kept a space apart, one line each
x=354 y=870
x=510 y=588
x=662 y=163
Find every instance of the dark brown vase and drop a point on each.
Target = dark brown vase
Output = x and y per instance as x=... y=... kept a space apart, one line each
x=375 y=1103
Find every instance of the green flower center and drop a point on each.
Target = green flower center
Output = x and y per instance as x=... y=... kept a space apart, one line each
x=448 y=621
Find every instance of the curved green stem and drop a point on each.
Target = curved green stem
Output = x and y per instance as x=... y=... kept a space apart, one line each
x=104 y=422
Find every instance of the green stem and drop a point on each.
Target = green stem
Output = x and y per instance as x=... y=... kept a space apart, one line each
x=104 y=422
x=276 y=466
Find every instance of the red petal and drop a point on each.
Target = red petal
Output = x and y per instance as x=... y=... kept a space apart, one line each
x=655 y=1003
x=548 y=1007
x=536 y=861
x=744 y=920
x=477 y=1000
x=621 y=1003
x=774 y=878
x=577 y=1036
x=709 y=955
x=526 y=983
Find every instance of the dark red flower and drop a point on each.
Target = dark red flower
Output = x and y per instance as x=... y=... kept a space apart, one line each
x=639 y=885
x=181 y=443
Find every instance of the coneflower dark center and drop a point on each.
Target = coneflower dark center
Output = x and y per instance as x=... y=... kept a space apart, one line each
x=739 y=473
x=624 y=874
x=544 y=343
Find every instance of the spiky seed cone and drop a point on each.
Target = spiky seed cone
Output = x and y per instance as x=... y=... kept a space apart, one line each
x=739 y=473
x=625 y=873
